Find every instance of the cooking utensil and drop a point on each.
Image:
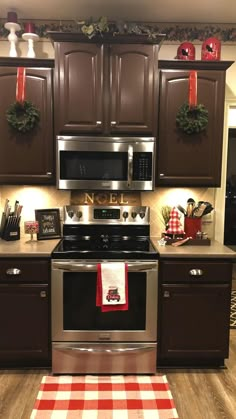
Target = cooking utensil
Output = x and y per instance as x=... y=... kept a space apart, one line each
x=190 y=207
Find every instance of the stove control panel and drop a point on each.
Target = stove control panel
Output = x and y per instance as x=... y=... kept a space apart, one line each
x=84 y=214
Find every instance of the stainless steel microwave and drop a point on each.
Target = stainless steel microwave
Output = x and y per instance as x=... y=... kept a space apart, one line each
x=106 y=163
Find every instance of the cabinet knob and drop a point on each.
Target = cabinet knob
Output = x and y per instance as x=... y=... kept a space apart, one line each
x=113 y=123
x=43 y=294
x=161 y=174
x=196 y=272
x=49 y=173
x=98 y=123
x=13 y=271
x=166 y=294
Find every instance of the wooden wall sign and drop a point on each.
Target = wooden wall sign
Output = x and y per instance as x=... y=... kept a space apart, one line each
x=105 y=198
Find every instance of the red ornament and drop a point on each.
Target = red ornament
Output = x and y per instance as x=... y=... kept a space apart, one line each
x=211 y=49
x=186 y=51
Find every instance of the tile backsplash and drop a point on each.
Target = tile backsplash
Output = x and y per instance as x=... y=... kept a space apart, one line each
x=42 y=197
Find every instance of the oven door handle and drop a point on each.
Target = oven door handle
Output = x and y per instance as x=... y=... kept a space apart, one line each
x=108 y=351
x=92 y=267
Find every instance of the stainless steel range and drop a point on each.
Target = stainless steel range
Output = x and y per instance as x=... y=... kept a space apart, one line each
x=85 y=339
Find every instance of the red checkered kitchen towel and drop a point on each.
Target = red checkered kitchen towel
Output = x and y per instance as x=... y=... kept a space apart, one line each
x=104 y=397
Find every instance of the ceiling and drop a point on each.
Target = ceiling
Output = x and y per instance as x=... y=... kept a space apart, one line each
x=175 y=11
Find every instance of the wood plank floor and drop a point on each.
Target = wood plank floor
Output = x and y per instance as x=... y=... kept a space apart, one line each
x=198 y=393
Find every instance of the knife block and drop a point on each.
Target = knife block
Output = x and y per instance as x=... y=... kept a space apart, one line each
x=11 y=233
x=10 y=230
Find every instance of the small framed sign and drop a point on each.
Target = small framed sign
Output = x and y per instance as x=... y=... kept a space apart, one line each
x=49 y=223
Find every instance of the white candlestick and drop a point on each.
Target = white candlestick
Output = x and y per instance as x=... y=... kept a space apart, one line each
x=12 y=37
x=31 y=38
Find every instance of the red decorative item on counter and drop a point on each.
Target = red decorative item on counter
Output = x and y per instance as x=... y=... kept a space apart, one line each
x=211 y=49
x=174 y=224
x=186 y=51
x=192 y=226
x=29 y=27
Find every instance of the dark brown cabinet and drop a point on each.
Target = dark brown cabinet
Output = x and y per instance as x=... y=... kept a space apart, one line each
x=182 y=159
x=24 y=312
x=194 y=312
x=105 y=88
x=27 y=158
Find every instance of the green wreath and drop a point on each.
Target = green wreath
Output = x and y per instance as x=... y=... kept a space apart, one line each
x=192 y=119
x=23 y=116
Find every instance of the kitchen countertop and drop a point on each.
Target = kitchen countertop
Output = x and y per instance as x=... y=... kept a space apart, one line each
x=214 y=250
x=20 y=248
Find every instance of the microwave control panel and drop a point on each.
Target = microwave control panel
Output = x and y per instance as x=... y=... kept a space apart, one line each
x=142 y=166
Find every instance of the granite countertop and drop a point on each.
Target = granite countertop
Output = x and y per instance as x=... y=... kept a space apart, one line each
x=22 y=248
x=214 y=250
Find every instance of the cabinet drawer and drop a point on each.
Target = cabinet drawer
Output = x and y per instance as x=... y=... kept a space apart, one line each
x=24 y=270
x=195 y=270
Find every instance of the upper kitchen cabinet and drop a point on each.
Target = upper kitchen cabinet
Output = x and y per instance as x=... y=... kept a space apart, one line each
x=27 y=158
x=105 y=87
x=195 y=159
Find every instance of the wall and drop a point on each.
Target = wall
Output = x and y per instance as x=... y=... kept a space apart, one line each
x=48 y=197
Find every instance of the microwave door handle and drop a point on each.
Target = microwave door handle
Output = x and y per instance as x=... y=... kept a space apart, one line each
x=130 y=165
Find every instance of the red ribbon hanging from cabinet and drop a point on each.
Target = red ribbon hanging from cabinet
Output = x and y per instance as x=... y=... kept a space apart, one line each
x=20 y=84
x=192 y=98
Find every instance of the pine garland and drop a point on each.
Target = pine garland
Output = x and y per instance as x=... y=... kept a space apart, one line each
x=192 y=120
x=23 y=116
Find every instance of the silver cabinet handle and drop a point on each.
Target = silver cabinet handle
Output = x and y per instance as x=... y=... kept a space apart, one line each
x=113 y=123
x=166 y=294
x=49 y=173
x=13 y=271
x=196 y=272
x=43 y=294
x=161 y=174
x=98 y=123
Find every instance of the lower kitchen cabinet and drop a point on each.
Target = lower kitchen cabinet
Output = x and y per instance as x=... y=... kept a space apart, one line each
x=24 y=312
x=194 y=312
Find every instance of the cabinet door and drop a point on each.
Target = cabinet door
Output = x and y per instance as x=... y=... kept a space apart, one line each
x=24 y=324
x=133 y=88
x=27 y=158
x=184 y=159
x=78 y=87
x=194 y=322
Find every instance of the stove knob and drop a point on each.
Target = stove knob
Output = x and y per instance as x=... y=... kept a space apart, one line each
x=79 y=214
x=125 y=214
x=71 y=213
x=133 y=214
x=142 y=214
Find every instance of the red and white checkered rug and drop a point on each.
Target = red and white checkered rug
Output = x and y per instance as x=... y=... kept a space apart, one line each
x=104 y=397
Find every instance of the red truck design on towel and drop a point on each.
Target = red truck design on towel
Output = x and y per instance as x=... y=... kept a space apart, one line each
x=112 y=294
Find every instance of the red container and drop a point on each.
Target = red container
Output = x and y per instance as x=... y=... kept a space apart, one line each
x=192 y=226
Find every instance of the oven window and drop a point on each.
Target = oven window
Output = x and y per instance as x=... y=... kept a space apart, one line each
x=88 y=165
x=79 y=304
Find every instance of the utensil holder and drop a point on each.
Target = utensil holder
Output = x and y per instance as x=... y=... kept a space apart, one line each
x=192 y=226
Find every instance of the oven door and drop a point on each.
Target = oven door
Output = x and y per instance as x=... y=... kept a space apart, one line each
x=75 y=317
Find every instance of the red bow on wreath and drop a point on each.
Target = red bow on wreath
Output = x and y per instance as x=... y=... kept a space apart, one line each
x=22 y=115
x=192 y=89
x=192 y=118
x=20 y=84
